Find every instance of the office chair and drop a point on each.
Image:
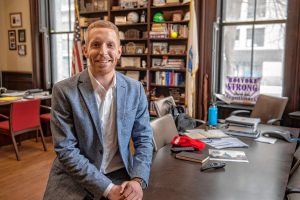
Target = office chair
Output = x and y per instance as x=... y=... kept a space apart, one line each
x=268 y=108
x=162 y=106
x=164 y=130
x=293 y=186
x=24 y=117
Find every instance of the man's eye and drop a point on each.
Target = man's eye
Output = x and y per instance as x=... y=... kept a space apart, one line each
x=110 y=45
x=95 y=45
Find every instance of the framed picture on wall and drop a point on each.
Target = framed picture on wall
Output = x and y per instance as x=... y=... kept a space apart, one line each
x=12 y=41
x=22 y=50
x=15 y=20
x=21 y=35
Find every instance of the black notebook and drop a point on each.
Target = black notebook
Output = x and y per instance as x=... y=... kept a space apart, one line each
x=194 y=157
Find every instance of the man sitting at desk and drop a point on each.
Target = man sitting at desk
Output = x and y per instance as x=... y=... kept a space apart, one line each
x=94 y=115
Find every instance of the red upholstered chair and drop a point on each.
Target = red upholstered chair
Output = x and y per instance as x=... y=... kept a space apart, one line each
x=24 y=117
x=46 y=117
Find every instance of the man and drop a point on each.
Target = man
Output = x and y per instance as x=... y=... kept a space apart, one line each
x=94 y=116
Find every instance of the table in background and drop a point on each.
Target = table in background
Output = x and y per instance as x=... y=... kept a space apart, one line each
x=295 y=119
x=264 y=177
x=5 y=110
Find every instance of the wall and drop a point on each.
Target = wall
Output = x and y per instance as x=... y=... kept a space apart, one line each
x=9 y=59
x=3 y=37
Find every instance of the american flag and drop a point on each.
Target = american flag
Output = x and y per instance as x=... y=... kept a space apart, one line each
x=77 y=59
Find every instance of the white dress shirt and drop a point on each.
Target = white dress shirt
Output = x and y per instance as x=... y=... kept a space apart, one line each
x=106 y=101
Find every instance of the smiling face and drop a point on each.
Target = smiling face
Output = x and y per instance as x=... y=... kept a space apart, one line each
x=102 y=50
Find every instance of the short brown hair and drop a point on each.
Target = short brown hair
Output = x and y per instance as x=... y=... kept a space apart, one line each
x=101 y=24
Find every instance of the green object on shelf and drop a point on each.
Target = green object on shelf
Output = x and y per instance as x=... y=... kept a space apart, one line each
x=158 y=17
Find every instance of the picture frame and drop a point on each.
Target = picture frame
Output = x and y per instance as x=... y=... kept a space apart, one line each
x=156 y=62
x=177 y=49
x=120 y=20
x=12 y=41
x=139 y=50
x=131 y=62
x=15 y=20
x=159 y=48
x=21 y=35
x=22 y=50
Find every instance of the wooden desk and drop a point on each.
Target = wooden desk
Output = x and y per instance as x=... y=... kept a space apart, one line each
x=5 y=109
x=8 y=102
x=264 y=177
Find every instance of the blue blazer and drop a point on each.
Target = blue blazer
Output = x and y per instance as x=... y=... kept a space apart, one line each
x=75 y=126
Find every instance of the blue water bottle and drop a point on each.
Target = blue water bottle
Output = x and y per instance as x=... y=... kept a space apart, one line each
x=212 y=115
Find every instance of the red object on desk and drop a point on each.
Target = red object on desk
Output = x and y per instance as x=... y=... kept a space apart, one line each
x=184 y=141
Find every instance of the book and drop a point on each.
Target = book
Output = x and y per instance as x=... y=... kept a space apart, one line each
x=199 y=134
x=242 y=131
x=244 y=121
x=10 y=98
x=194 y=157
x=227 y=155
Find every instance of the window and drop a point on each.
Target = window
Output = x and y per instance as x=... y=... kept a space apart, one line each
x=252 y=42
x=62 y=15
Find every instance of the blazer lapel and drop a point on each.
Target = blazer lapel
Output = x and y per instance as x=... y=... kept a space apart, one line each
x=121 y=102
x=87 y=93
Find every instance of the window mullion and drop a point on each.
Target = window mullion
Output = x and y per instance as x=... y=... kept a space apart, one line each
x=252 y=38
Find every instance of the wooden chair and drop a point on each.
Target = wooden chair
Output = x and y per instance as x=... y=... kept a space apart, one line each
x=164 y=130
x=24 y=117
x=46 y=117
x=268 y=108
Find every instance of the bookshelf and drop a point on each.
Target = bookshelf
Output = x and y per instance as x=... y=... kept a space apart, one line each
x=151 y=52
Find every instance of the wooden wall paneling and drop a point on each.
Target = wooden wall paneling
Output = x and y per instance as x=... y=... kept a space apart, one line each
x=292 y=59
x=207 y=16
x=36 y=44
x=17 y=80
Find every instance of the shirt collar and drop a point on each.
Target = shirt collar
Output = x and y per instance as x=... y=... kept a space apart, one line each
x=98 y=86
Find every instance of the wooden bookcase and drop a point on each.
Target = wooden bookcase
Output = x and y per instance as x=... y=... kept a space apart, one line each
x=142 y=53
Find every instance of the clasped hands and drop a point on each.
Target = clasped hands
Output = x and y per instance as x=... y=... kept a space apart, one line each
x=128 y=190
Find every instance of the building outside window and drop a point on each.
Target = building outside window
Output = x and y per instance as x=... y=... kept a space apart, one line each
x=62 y=16
x=252 y=42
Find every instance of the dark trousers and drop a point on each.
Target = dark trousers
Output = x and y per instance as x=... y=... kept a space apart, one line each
x=117 y=177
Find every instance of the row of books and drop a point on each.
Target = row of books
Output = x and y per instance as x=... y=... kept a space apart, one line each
x=171 y=63
x=162 y=30
x=169 y=78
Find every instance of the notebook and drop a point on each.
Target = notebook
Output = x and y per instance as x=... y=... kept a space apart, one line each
x=194 y=157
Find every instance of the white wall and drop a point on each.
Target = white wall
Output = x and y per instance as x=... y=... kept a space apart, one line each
x=9 y=59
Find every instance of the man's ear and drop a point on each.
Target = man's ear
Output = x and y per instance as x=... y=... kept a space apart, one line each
x=84 y=51
x=119 y=51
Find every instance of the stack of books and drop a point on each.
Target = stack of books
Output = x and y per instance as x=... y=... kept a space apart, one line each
x=242 y=126
x=159 y=30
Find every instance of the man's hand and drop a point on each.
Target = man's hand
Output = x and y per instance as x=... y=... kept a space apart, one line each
x=131 y=190
x=115 y=193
